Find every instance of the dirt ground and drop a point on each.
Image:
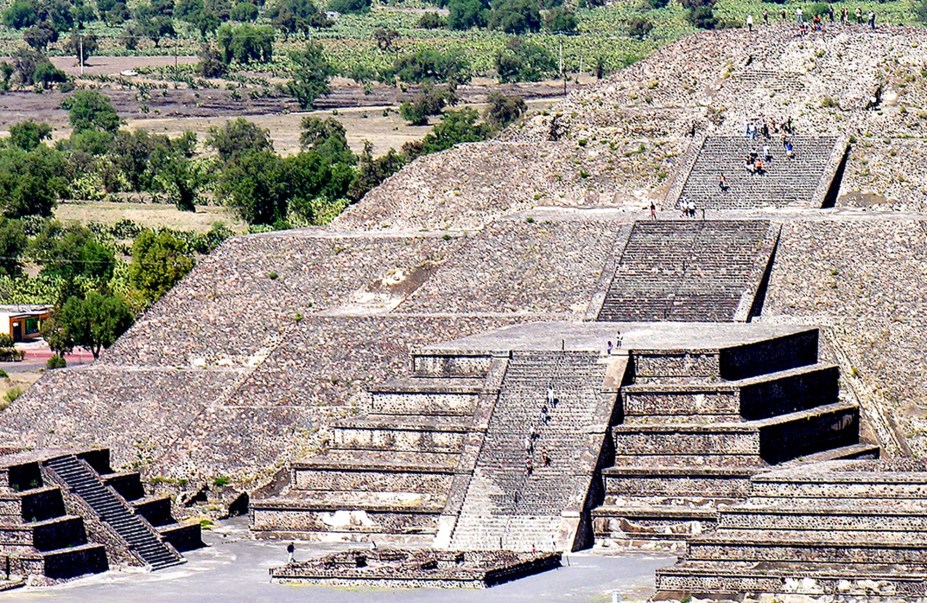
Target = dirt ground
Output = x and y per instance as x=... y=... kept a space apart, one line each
x=147 y=214
x=370 y=114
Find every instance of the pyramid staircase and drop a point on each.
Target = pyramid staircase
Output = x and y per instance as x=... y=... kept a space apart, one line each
x=804 y=181
x=690 y=271
x=62 y=516
x=512 y=507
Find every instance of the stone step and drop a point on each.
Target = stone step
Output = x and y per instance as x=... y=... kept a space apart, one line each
x=776 y=439
x=431 y=396
x=402 y=434
x=632 y=483
x=800 y=547
x=672 y=524
x=40 y=536
x=704 y=579
x=851 y=479
x=785 y=181
x=815 y=515
x=746 y=399
x=62 y=564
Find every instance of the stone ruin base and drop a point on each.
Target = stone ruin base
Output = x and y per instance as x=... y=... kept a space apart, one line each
x=400 y=568
x=786 y=598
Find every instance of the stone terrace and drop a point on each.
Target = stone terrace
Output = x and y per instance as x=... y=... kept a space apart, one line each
x=802 y=181
x=844 y=528
x=699 y=423
x=695 y=271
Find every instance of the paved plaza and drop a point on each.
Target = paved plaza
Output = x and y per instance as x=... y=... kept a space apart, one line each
x=234 y=568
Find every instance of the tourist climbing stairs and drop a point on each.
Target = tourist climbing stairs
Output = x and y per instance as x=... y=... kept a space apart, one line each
x=83 y=482
x=799 y=182
x=519 y=492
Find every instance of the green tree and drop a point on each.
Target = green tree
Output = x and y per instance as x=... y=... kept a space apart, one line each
x=524 y=61
x=46 y=75
x=29 y=134
x=371 y=171
x=311 y=73
x=72 y=252
x=56 y=337
x=702 y=17
x=466 y=14
x=90 y=110
x=504 y=109
x=246 y=43
x=30 y=182
x=347 y=7
x=431 y=20
x=292 y=16
x=317 y=187
x=455 y=127
x=639 y=27
x=920 y=11
x=159 y=261
x=327 y=137
x=560 y=20
x=430 y=65
x=40 y=36
x=181 y=179
x=429 y=101
x=245 y=12
x=256 y=187
x=515 y=16
x=21 y=14
x=13 y=243
x=94 y=322
x=82 y=46
x=237 y=137
x=385 y=37
x=211 y=64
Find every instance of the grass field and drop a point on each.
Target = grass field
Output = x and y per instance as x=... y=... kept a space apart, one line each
x=149 y=215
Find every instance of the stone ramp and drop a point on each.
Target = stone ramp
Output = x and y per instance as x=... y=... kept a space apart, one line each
x=512 y=505
x=690 y=270
x=836 y=528
x=803 y=181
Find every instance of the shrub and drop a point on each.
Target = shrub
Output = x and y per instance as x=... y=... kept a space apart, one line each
x=702 y=17
x=11 y=394
x=560 y=19
x=503 y=110
x=430 y=101
x=430 y=65
x=524 y=61
x=4 y=374
x=56 y=362
x=515 y=16
x=11 y=354
x=639 y=27
x=464 y=14
x=431 y=20
x=349 y=6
